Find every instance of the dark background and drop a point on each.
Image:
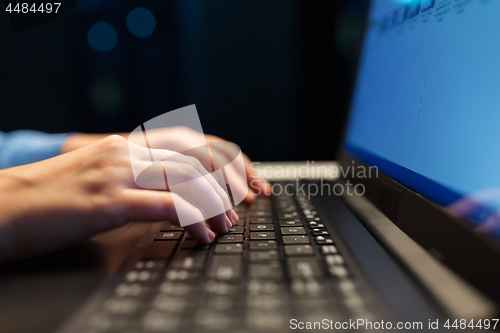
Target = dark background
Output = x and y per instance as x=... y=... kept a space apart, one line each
x=272 y=76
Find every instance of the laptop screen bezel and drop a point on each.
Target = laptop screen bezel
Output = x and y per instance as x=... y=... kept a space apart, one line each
x=450 y=239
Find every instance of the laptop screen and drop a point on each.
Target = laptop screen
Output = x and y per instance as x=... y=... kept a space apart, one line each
x=426 y=103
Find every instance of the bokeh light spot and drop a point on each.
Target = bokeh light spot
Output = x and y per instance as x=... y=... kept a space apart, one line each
x=102 y=36
x=141 y=22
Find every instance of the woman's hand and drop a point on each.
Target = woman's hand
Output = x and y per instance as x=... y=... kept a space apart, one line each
x=56 y=202
x=181 y=139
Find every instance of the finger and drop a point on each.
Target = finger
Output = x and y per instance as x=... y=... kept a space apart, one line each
x=149 y=205
x=230 y=213
x=235 y=178
x=201 y=168
x=152 y=176
x=199 y=230
x=185 y=179
x=257 y=184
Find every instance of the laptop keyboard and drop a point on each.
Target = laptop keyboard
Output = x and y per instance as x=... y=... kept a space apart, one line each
x=280 y=262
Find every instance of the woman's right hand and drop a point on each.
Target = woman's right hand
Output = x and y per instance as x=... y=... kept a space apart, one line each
x=57 y=202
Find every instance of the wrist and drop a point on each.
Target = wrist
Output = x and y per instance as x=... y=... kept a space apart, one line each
x=10 y=185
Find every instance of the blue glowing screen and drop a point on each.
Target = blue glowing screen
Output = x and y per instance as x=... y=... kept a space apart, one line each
x=426 y=103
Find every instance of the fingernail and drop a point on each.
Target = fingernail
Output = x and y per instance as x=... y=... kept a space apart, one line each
x=229 y=224
x=211 y=236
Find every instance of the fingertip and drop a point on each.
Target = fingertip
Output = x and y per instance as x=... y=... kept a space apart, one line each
x=235 y=217
x=220 y=223
x=250 y=197
x=200 y=232
x=268 y=189
x=211 y=236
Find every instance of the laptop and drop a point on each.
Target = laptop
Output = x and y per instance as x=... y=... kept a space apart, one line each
x=402 y=234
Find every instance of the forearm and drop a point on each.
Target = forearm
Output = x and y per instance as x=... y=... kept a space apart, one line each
x=24 y=147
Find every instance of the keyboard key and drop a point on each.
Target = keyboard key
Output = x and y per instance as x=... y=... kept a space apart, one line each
x=299 y=250
x=258 y=206
x=316 y=225
x=170 y=304
x=324 y=240
x=263 y=245
x=304 y=267
x=191 y=244
x=338 y=271
x=134 y=290
x=262 y=235
x=322 y=307
x=150 y=265
x=288 y=215
x=262 y=227
x=260 y=220
x=263 y=256
x=271 y=271
x=236 y=238
x=296 y=240
x=237 y=229
x=291 y=223
x=217 y=288
x=159 y=250
x=182 y=275
x=265 y=303
x=171 y=227
x=320 y=232
x=347 y=287
x=328 y=249
x=289 y=210
x=157 y=321
x=240 y=209
x=190 y=260
x=293 y=231
x=226 y=268
x=335 y=259
x=308 y=288
x=263 y=320
x=261 y=213
x=141 y=276
x=234 y=248
x=210 y=320
x=170 y=235
x=260 y=287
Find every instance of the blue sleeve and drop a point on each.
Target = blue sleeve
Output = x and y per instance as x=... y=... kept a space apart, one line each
x=23 y=147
